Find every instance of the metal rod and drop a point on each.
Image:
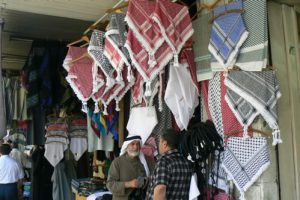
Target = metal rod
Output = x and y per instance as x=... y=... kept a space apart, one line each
x=101 y=18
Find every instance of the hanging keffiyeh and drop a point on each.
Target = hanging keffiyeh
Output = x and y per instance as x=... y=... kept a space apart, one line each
x=139 y=19
x=253 y=93
x=245 y=161
x=95 y=50
x=115 y=37
x=228 y=34
x=175 y=25
x=140 y=57
x=137 y=89
x=81 y=78
x=201 y=39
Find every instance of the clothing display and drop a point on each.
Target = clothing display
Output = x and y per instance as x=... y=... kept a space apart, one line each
x=245 y=160
x=228 y=33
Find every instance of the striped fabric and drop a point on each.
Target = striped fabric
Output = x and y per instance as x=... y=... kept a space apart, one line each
x=201 y=39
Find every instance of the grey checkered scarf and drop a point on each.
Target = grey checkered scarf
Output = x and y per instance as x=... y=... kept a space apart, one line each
x=252 y=93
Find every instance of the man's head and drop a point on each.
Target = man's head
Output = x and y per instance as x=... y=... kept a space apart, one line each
x=168 y=140
x=132 y=145
x=5 y=149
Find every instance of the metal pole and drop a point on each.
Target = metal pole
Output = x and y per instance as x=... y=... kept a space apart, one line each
x=2 y=97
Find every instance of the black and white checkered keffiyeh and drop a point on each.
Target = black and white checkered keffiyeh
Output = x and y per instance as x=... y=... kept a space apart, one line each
x=253 y=93
x=245 y=160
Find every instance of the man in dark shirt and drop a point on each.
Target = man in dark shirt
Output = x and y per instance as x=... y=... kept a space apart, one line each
x=172 y=175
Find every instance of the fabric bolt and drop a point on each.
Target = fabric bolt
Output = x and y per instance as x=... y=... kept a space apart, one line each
x=181 y=95
x=253 y=55
x=78 y=146
x=95 y=50
x=245 y=160
x=254 y=93
x=175 y=25
x=136 y=124
x=115 y=38
x=228 y=33
x=147 y=33
x=140 y=58
x=201 y=40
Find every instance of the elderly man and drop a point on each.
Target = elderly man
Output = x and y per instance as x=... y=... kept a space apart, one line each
x=11 y=175
x=127 y=173
x=172 y=174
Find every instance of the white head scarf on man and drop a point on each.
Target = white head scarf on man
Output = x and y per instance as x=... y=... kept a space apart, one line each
x=127 y=141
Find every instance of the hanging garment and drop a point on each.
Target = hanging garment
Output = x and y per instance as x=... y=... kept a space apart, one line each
x=187 y=56
x=175 y=25
x=146 y=32
x=112 y=121
x=201 y=39
x=140 y=58
x=54 y=149
x=81 y=79
x=136 y=124
x=253 y=55
x=73 y=53
x=194 y=191
x=78 y=145
x=95 y=50
x=114 y=50
x=253 y=93
x=61 y=186
x=228 y=33
x=245 y=160
x=99 y=91
x=181 y=95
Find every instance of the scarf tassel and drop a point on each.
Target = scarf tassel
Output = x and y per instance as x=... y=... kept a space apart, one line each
x=84 y=107
x=152 y=62
x=148 y=89
x=105 y=110
x=245 y=133
x=176 y=61
x=242 y=197
x=109 y=82
x=129 y=74
x=96 y=110
x=276 y=137
x=117 y=106
x=119 y=76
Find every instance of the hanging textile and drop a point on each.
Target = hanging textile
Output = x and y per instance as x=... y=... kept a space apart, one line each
x=181 y=95
x=175 y=25
x=245 y=161
x=253 y=93
x=137 y=89
x=253 y=55
x=146 y=32
x=201 y=39
x=114 y=50
x=228 y=33
x=61 y=186
x=140 y=58
x=95 y=50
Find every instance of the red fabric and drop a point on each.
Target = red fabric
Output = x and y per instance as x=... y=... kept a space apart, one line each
x=113 y=54
x=175 y=21
x=76 y=122
x=139 y=20
x=137 y=89
x=100 y=76
x=127 y=85
x=188 y=56
x=73 y=53
x=57 y=127
x=218 y=196
x=140 y=57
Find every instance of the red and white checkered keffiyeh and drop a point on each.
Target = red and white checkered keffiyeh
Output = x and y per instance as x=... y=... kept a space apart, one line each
x=175 y=24
x=140 y=58
x=80 y=77
x=137 y=89
x=73 y=53
x=101 y=90
x=139 y=19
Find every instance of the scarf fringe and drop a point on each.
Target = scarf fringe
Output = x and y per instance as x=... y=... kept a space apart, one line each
x=96 y=110
x=148 y=91
x=105 y=109
x=276 y=137
x=117 y=106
